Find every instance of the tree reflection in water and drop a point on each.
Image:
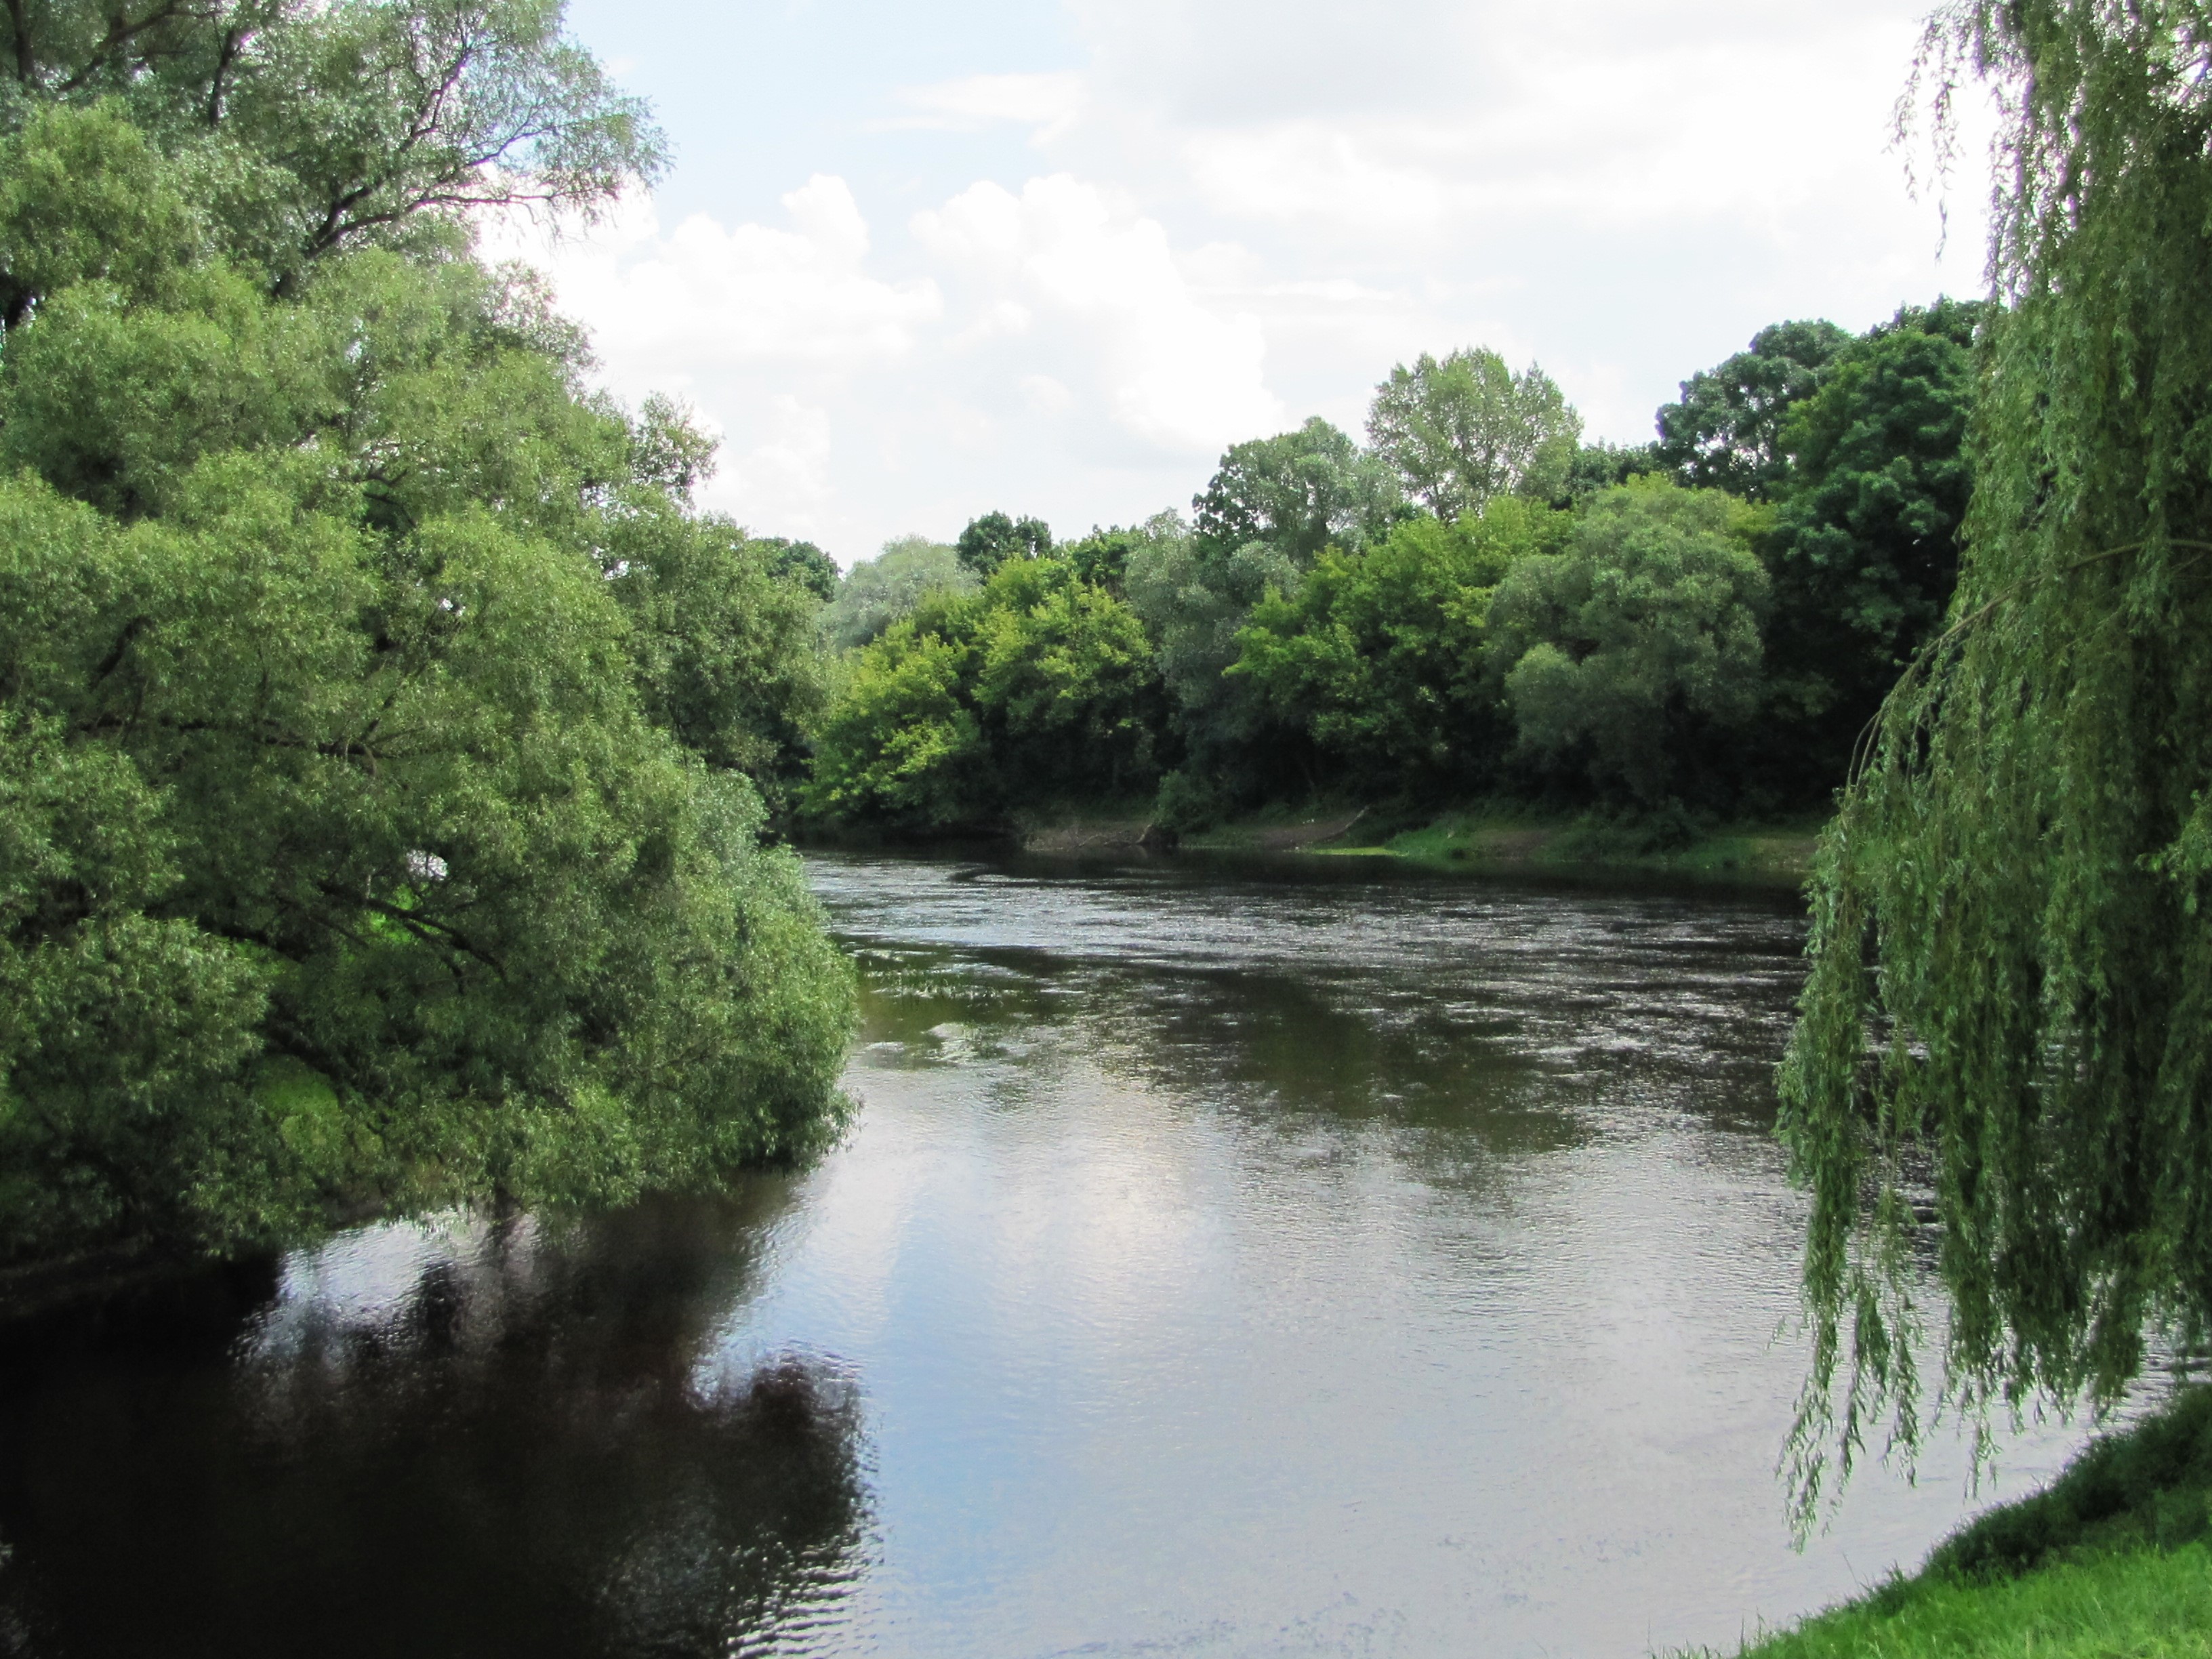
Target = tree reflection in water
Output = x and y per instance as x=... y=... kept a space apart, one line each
x=482 y=1437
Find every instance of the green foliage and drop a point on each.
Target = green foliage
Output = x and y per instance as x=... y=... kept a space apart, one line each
x=728 y=655
x=373 y=724
x=878 y=592
x=1102 y=558
x=1865 y=549
x=1459 y=431
x=385 y=808
x=1604 y=465
x=2109 y=1559
x=2011 y=962
x=308 y=130
x=85 y=198
x=990 y=541
x=1726 y=431
x=2147 y=1488
x=1380 y=655
x=1639 y=644
x=801 y=564
x=1271 y=508
x=1275 y=503
x=1066 y=680
x=1039 y=684
x=902 y=744
x=2144 y=1606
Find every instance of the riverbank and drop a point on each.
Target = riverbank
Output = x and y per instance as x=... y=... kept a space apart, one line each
x=1472 y=841
x=2112 y=1559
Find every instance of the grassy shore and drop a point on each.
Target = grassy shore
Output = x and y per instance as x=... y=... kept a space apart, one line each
x=1505 y=839
x=2112 y=1562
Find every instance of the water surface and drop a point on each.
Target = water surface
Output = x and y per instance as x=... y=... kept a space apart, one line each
x=1219 y=1264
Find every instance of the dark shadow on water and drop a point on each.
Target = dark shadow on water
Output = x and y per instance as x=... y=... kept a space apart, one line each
x=499 y=1441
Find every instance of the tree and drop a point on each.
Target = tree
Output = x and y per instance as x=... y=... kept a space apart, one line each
x=878 y=591
x=990 y=541
x=902 y=745
x=1726 y=431
x=1263 y=519
x=371 y=704
x=1039 y=686
x=1292 y=494
x=801 y=564
x=1102 y=558
x=1604 y=465
x=1071 y=694
x=728 y=647
x=2012 y=951
x=315 y=129
x=1864 y=549
x=1380 y=656
x=1637 y=645
x=1463 y=430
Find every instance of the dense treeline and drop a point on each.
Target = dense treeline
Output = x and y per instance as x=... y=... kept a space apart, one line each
x=1474 y=605
x=383 y=736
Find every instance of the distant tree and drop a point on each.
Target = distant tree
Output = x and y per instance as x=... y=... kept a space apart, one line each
x=878 y=591
x=1294 y=495
x=1726 y=431
x=1271 y=508
x=801 y=564
x=1462 y=430
x=1865 y=547
x=1380 y=656
x=1068 y=684
x=1604 y=465
x=1632 y=649
x=1036 y=687
x=990 y=541
x=904 y=743
x=1102 y=556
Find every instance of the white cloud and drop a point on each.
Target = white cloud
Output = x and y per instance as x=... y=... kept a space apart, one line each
x=782 y=481
x=1049 y=104
x=1096 y=289
x=670 y=310
x=1253 y=208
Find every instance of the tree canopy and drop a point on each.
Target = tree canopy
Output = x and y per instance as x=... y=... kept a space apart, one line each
x=988 y=542
x=305 y=128
x=1725 y=432
x=1038 y=685
x=1382 y=656
x=1623 y=650
x=1462 y=429
x=1865 y=545
x=382 y=734
x=2006 y=1020
x=878 y=591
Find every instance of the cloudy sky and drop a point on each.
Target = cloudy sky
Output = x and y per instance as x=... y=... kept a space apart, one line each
x=916 y=261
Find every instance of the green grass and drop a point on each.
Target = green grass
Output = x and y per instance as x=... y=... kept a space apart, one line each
x=2143 y=1605
x=2110 y=1562
x=1504 y=839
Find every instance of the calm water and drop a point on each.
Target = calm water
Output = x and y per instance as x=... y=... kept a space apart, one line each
x=1219 y=1266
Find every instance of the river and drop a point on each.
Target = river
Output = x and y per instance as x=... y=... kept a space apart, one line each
x=1221 y=1263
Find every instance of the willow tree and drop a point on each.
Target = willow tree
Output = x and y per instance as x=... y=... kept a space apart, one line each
x=2004 y=1057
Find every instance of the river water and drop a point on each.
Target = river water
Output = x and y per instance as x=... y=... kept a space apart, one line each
x=1220 y=1264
